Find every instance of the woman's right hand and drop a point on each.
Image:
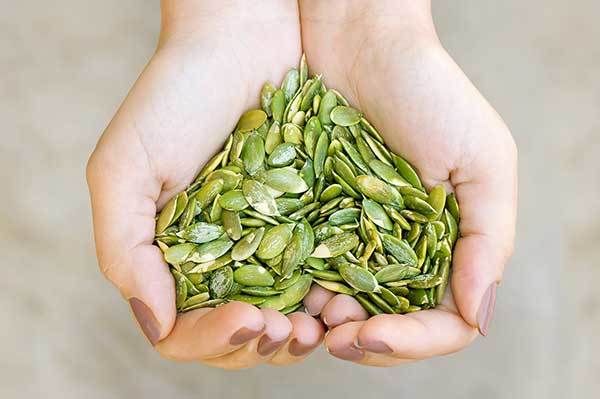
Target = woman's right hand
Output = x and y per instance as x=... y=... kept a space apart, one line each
x=212 y=59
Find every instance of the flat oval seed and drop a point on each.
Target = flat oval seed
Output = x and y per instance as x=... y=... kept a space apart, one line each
x=274 y=241
x=201 y=232
x=377 y=214
x=252 y=300
x=336 y=245
x=358 y=278
x=387 y=173
x=345 y=116
x=328 y=103
x=211 y=250
x=233 y=200
x=253 y=154
x=248 y=245
x=396 y=272
x=221 y=282
x=335 y=286
x=232 y=224
x=407 y=171
x=399 y=249
x=259 y=198
x=285 y=180
x=253 y=275
x=251 y=120
x=180 y=253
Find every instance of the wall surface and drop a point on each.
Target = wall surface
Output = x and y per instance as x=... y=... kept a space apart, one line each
x=66 y=333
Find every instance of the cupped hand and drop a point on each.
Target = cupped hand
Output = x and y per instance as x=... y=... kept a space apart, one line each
x=385 y=57
x=212 y=59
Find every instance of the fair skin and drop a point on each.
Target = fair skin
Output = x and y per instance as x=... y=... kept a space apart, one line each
x=385 y=57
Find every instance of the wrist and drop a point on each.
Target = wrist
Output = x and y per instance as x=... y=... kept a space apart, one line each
x=209 y=17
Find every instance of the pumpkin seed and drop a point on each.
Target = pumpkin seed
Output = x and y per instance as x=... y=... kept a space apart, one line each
x=305 y=188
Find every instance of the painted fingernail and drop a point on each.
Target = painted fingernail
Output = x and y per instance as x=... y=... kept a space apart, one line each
x=244 y=335
x=267 y=345
x=486 y=309
x=373 y=346
x=145 y=319
x=296 y=348
x=348 y=353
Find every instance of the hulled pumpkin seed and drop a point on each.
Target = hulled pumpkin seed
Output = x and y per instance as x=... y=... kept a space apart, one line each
x=305 y=188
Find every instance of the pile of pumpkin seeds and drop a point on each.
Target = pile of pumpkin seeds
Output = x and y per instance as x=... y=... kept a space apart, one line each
x=305 y=191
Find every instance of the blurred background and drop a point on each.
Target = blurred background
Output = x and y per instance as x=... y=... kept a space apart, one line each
x=66 y=333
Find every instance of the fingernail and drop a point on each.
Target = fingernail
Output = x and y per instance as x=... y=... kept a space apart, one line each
x=348 y=353
x=311 y=312
x=373 y=346
x=486 y=309
x=297 y=348
x=266 y=345
x=146 y=320
x=244 y=335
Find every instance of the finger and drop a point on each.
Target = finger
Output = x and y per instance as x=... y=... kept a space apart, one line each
x=124 y=231
x=487 y=193
x=258 y=350
x=316 y=299
x=339 y=342
x=307 y=334
x=342 y=309
x=208 y=333
x=415 y=336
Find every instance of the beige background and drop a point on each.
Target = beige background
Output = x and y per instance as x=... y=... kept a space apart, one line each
x=65 y=333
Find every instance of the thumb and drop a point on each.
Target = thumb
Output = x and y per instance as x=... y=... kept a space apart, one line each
x=486 y=190
x=124 y=231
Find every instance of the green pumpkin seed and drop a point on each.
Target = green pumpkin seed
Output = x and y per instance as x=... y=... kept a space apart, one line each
x=253 y=275
x=379 y=191
x=206 y=195
x=321 y=153
x=211 y=250
x=381 y=303
x=335 y=286
x=399 y=249
x=179 y=254
x=253 y=154
x=260 y=291
x=377 y=214
x=315 y=263
x=345 y=116
x=407 y=171
x=387 y=173
x=358 y=278
x=396 y=272
x=274 y=241
x=251 y=120
x=291 y=83
x=418 y=297
x=248 y=245
x=329 y=275
x=259 y=198
x=339 y=206
x=201 y=232
x=336 y=245
x=452 y=205
x=233 y=200
x=285 y=180
x=344 y=216
x=369 y=306
x=221 y=282
x=328 y=103
x=252 y=300
x=437 y=200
